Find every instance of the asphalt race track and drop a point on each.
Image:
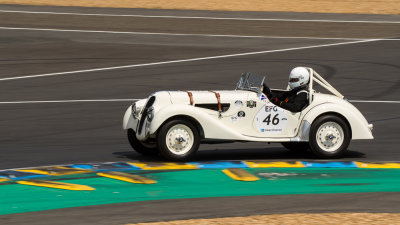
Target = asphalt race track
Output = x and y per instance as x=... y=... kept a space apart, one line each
x=360 y=59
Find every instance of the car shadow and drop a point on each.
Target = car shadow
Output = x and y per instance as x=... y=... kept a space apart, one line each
x=134 y=156
x=280 y=154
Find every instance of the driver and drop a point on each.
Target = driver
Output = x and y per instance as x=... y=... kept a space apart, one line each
x=296 y=98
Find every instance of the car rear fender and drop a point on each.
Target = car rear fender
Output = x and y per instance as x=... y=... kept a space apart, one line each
x=210 y=124
x=358 y=124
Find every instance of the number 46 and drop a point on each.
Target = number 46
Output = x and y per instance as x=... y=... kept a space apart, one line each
x=275 y=119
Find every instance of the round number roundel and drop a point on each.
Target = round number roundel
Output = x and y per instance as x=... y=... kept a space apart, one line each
x=271 y=119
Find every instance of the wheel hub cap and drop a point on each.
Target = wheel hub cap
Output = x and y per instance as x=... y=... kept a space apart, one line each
x=179 y=140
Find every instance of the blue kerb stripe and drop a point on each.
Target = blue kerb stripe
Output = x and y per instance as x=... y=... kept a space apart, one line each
x=123 y=165
x=18 y=175
x=118 y=166
x=29 y=177
x=220 y=164
x=84 y=167
x=330 y=164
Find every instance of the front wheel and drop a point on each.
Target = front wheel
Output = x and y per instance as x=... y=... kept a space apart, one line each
x=141 y=147
x=178 y=140
x=329 y=136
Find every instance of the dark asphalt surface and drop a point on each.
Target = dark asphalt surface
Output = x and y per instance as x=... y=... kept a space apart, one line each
x=165 y=210
x=61 y=133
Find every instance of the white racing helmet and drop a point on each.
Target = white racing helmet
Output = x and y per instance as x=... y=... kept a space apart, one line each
x=299 y=76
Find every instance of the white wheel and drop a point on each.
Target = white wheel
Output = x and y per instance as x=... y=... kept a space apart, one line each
x=330 y=136
x=179 y=139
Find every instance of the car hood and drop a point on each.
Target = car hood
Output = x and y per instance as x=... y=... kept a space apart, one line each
x=202 y=97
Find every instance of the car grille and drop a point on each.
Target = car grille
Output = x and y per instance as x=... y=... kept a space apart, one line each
x=149 y=103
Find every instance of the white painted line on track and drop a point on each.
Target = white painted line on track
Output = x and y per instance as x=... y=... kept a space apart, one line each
x=180 y=34
x=183 y=60
x=133 y=99
x=71 y=101
x=372 y=101
x=201 y=17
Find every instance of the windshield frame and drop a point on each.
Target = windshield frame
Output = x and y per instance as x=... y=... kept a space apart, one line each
x=250 y=82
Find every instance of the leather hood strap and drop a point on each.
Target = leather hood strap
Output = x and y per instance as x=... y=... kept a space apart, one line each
x=190 y=97
x=218 y=96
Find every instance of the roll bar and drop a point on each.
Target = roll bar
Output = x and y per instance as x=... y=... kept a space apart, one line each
x=314 y=76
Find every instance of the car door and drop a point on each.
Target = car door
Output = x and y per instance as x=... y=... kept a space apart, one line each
x=269 y=120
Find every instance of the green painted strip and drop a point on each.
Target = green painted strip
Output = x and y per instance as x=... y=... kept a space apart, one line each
x=17 y=198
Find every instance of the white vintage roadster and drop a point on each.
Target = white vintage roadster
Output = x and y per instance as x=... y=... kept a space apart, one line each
x=174 y=123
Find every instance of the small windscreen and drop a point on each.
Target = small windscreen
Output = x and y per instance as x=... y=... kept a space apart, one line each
x=249 y=81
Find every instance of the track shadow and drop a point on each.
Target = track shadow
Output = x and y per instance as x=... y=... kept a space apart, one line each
x=244 y=154
x=266 y=154
x=132 y=155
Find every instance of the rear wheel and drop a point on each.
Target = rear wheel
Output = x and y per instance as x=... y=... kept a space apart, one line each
x=141 y=147
x=296 y=146
x=329 y=136
x=178 y=140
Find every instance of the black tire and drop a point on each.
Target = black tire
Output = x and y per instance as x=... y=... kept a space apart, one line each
x=140 y=147
x=296 y=146
x=189 y=147
x=330 y=123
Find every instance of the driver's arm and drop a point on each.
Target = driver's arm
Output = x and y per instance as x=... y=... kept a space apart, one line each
x=271 y=95
x=296 y=105
x=280 y=95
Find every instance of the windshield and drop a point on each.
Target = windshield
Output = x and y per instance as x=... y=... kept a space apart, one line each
x=251 y=82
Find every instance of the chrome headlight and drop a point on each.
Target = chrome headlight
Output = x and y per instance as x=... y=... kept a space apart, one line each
x=134 y=111
x=134 y=108
x=150 y=113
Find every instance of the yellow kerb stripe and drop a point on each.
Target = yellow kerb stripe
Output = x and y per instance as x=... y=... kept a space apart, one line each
x=127 y=177
x=378 y=165
x=55 y=170
x=4 y=179
x=58 y=185
x=165 y=166
x=240 y=174
x=266 y=164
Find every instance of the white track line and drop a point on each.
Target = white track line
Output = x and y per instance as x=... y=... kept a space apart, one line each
x=131 y=100
x=201 y=17
x=71 y=101
x=371 y=101
x=180 y=34
x=183 y=60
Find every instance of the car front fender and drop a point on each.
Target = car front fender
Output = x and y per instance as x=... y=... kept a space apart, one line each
x=128 y=119
x=211 y=124
x=129 y=122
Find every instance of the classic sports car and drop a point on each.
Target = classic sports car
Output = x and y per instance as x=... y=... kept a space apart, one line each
x=174 y=123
